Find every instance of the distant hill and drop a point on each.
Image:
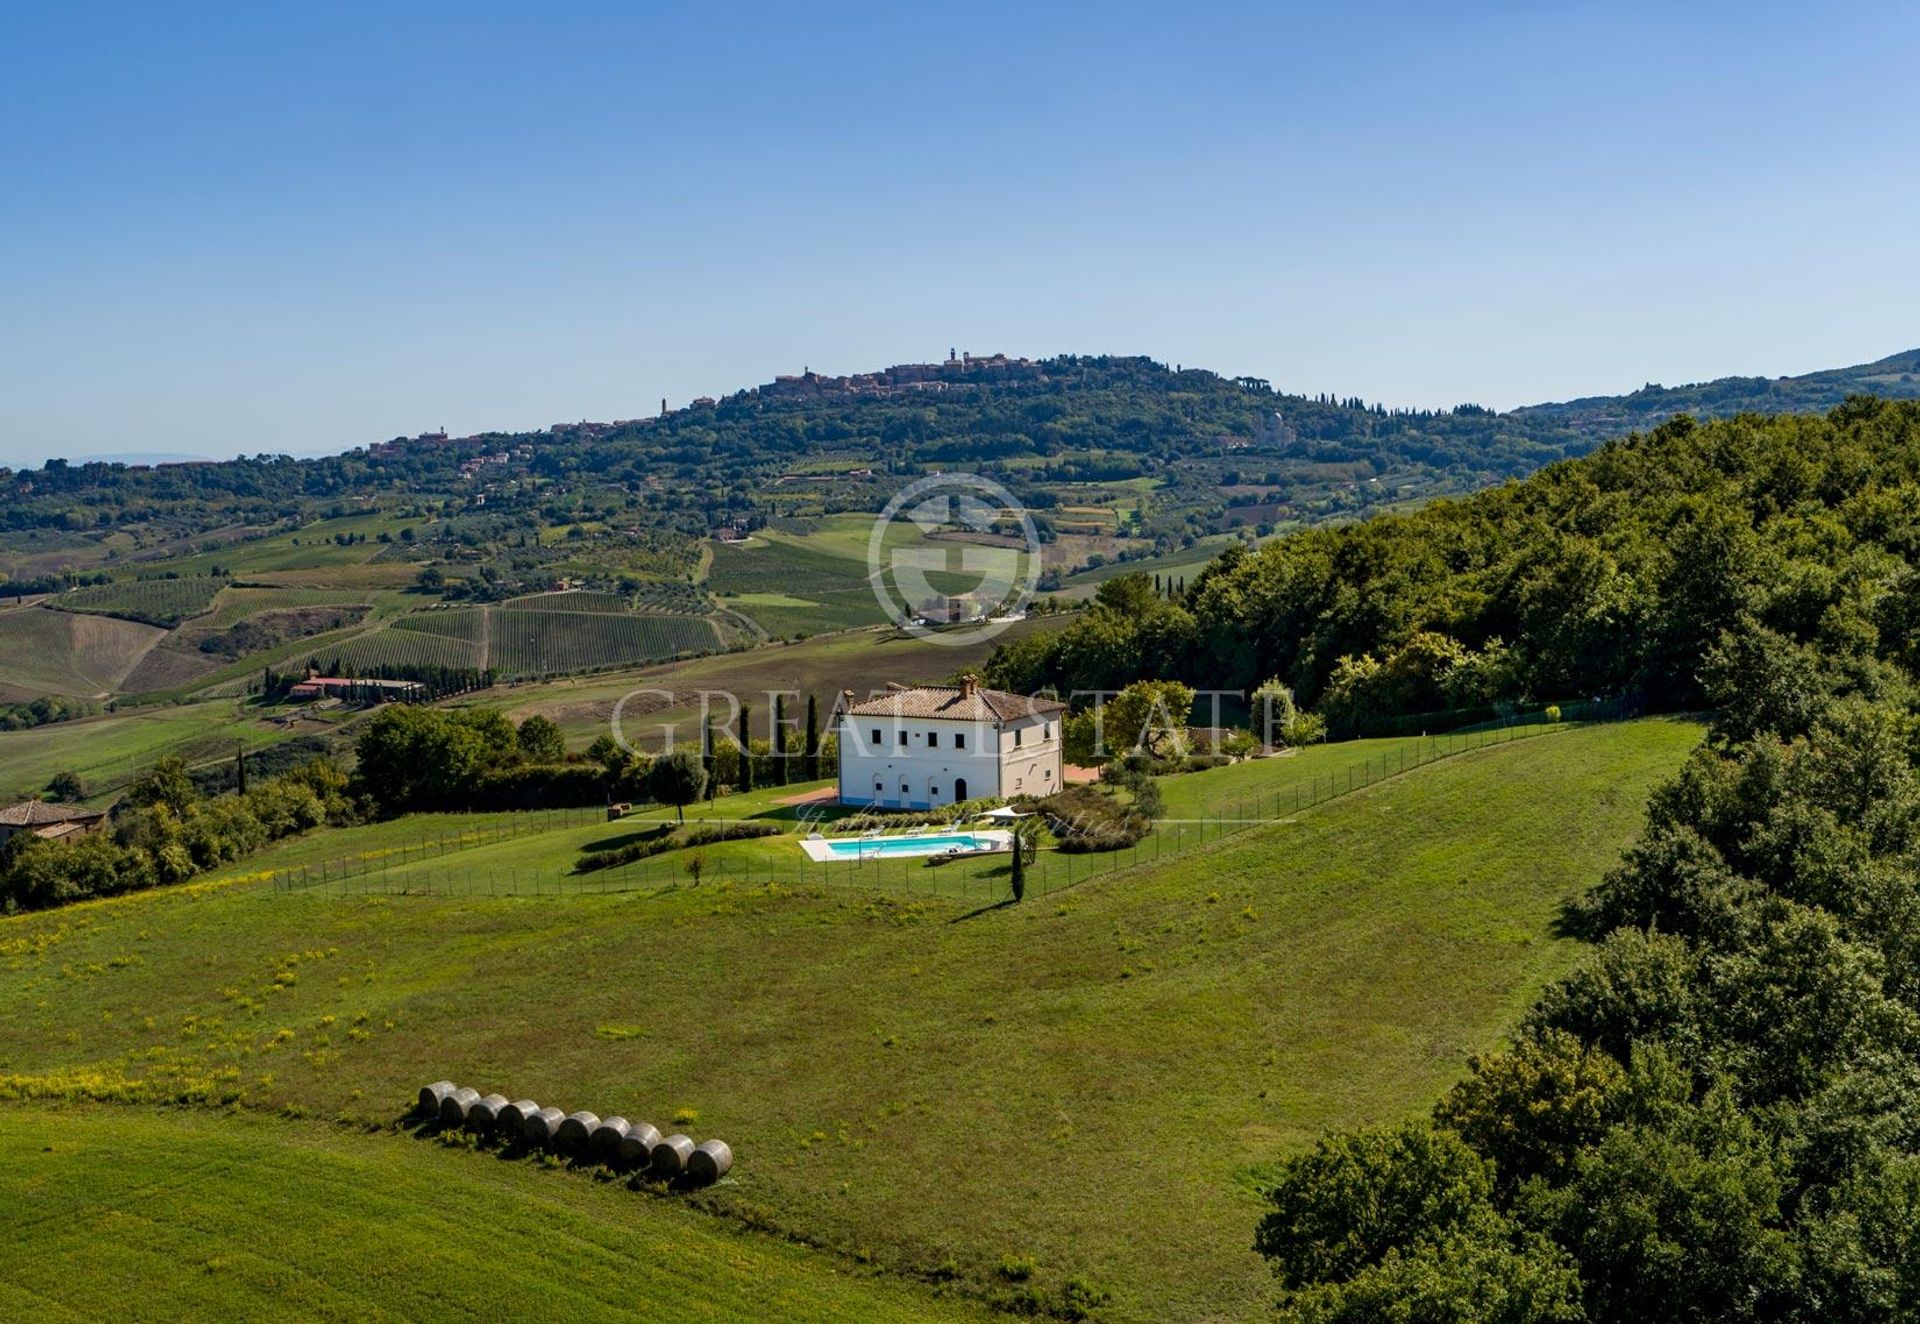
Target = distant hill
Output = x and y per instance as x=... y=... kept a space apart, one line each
x=1117 y=458
x=1896 y=377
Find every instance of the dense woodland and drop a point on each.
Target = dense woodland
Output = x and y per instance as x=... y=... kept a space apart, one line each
x=1614 y=574
x=1717 y=1117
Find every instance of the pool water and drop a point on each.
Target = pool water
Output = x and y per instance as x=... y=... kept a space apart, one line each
x=894 y=847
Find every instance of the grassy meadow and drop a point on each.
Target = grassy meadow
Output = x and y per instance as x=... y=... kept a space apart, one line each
x=181 y=1215
x=113 y=749
x=933 y=1087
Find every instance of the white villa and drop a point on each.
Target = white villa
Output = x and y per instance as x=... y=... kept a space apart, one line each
x=917 y=747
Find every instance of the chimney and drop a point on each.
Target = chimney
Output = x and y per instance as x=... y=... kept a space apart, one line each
x=968 y=684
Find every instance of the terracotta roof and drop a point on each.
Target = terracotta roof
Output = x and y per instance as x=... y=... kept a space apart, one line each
x=955 y=704
x=35 y=813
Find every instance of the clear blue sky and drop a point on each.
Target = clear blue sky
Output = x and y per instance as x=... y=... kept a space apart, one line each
x=300 y=228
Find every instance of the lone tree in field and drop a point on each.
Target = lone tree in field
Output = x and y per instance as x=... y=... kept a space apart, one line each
x=541 y=740
x=678 y=779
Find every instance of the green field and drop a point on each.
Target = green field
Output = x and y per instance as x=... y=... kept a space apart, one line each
x=912 y=1082
x=808 y=584
x=111 y=750
x=166 y=1216
x=312 y=546
x=1186 y=564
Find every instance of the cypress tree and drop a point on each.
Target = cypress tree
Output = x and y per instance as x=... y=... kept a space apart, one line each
x=240 y=769
x=706 y=751
x=812 y=764
x=746 y=748
x=779 y=741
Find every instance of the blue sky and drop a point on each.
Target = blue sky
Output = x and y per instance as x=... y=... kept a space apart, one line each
x=237 y=228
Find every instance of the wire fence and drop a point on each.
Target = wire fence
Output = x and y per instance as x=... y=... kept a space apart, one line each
x=450 y=857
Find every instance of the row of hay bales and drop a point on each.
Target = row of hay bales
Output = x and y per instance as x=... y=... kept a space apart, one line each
x=632 y=1146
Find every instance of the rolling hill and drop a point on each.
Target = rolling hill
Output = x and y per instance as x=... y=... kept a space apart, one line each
x=913 y=1082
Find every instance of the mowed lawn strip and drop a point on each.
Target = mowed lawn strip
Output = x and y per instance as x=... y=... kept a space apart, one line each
x=1095 y=1080
x=163 y=1215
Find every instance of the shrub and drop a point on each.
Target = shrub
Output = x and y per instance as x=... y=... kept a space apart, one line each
x=667 y=837
x=1085 y=820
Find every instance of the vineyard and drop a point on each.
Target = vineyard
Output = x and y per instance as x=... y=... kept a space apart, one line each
x=672 y=598
x=550 y=643
x=515 y=640
x=162 y=602
x=236 y=604
x=396 y=648
x=577 y=600
x=466 y=624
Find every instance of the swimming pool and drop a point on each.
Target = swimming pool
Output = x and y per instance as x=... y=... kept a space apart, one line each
x=894 y=848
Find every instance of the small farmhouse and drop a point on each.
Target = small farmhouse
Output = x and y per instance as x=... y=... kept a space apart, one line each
x=921 y=746
x=338 y=687
x=48 y=821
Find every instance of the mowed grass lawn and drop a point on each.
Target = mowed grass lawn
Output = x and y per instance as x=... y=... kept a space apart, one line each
x=136 y=1215
x=1097 y=1080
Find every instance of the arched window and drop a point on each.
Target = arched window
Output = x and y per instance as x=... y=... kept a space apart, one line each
x=959 y=788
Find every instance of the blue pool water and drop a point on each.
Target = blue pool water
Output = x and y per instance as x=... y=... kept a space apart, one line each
x=893 y=847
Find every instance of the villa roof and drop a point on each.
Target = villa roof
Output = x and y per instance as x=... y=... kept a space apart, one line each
x=954 y=703
x=38 y=813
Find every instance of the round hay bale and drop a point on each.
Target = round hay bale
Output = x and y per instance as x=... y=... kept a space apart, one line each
x=670 y=1156
x=431 y=1097
x=541 y=1124
x=574 y=1130
x=604 y=1140
x=636 y=1150
x=513 y=1117
x=454 y=1108
x=484 y=1115
x=709 y=1163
